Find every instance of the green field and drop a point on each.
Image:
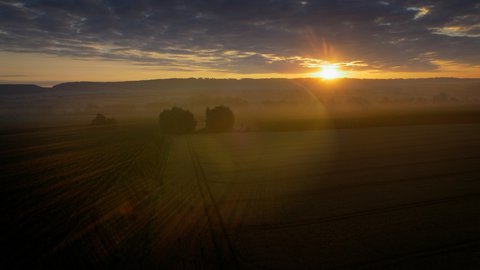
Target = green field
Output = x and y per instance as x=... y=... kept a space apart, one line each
x=127 y=197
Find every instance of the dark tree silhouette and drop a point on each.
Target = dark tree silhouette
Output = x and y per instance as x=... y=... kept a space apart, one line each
x=440 y=98
x=101 y=120
x=176 y=121
x=219 y=119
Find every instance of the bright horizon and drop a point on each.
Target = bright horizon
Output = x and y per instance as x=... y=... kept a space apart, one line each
x=43 y=42
x=47 y=70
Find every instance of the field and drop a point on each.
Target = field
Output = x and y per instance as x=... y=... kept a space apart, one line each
x=397 y=196
x=126 y=197
x=72 y=195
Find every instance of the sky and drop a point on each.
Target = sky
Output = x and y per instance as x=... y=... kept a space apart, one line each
x=49 y=41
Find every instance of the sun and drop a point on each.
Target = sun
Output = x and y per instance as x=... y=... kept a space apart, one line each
x=329 y=72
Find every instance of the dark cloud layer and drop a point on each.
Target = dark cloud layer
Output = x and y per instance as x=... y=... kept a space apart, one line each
x=248 y=36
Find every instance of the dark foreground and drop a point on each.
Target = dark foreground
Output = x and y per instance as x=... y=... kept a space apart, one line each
x=386 y=197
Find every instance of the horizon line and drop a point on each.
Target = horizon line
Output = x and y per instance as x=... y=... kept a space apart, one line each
x=55 y=83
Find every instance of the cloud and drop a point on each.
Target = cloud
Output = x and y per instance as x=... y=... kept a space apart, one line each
x=248 y=36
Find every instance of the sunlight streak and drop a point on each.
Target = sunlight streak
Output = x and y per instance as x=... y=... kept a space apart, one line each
x=329 y=72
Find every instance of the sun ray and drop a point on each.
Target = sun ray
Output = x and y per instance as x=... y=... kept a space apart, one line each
x=328 y=72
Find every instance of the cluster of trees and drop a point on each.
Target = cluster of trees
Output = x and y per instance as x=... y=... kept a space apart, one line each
x=219 y=119
x=179 y=121
x=176 y=121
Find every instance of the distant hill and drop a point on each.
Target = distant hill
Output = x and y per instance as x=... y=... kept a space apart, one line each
x=223 y=83
x=24 y=88
x=178 y=84
x=237 y=84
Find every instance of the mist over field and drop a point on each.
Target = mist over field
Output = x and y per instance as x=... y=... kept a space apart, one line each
x=255 y=101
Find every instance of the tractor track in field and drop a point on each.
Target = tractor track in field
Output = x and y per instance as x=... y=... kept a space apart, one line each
x=224 y=248
x=359 y=214
x=126 y=164
x=413 y=256
x=398 y=259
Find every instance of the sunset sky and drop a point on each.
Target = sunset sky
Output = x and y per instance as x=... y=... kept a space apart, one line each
x=48 y=41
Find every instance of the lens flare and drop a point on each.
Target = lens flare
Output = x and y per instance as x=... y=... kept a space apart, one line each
x=328 y=72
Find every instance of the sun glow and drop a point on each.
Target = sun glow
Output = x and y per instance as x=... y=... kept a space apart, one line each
x=328 y=72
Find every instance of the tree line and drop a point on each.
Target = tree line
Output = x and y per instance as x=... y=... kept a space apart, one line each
x=177 y=121
x=180 y=121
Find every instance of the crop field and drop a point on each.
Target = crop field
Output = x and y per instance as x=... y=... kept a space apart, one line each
x=76 y=195
x=403 y=197
x=127 y=197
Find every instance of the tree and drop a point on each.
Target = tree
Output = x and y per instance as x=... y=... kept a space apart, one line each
x=101 y=120
x=219 y=119
x=440 y=98
x=176 y=121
